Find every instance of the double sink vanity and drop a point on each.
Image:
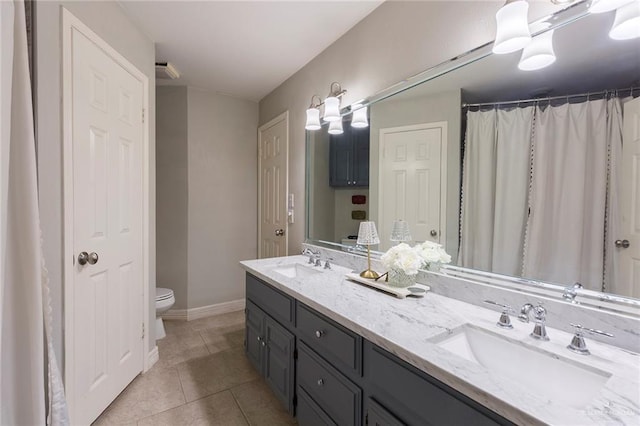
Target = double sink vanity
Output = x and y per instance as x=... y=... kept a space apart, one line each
x=337 y=352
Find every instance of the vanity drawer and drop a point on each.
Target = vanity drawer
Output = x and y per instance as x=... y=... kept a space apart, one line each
x=338 y=345
x=308 y=413
x=416 y=397
x=272 y=301
x=332 y=392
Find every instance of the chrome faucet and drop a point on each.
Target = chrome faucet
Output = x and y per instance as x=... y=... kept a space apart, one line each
x=504 y=321
x=314 y=256
x=539 y=317
x=577 y=344
x=571 y=292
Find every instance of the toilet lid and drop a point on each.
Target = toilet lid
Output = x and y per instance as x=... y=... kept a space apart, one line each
x=163 y=293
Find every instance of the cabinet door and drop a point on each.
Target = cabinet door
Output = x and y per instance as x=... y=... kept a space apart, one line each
x=377 y=415
x=279 y=362
x=254 y=342
x=340 y=160
x=360 y=141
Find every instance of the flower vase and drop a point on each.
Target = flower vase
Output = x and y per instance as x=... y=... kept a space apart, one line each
x=399 y=278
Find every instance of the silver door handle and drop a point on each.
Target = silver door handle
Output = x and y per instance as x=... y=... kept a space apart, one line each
x=279 y=232
x=93 y=258
x=83 y=258
x=434 y=233
x=622 y=243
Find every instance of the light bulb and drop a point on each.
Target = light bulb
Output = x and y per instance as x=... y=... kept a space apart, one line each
x=335 y=127
x=332 y=109
x=539 y=53
x=359 y=119
x=512 y=27
x=313 y=119
x=627 y=22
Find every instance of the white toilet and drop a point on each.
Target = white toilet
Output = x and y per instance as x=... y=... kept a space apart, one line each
x=164 y=302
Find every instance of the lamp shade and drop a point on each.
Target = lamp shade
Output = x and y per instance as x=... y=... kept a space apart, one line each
x=368 y=234
x=359 y=119
x=512 y=27
x=602 y=6
x=335 y=127
x=627 y=22
x=400 y=231
x=332 y=109
x=313 y=119
x=539 y=53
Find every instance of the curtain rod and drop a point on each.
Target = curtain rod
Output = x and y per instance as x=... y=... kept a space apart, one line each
x=553 y=98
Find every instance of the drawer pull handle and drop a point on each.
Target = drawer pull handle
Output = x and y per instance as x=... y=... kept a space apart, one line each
x=319 y=333
x=320 y=382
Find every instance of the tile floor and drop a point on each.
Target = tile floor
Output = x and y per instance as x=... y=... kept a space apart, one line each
x=202 y=378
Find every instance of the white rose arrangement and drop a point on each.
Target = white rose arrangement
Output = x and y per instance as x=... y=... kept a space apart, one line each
x=411 y=259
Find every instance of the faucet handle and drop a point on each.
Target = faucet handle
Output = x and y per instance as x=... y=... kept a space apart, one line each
x=578 y=344
x=327 y=265
x=504 y=321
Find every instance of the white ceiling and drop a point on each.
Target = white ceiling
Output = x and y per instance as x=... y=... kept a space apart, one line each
x=243 y=48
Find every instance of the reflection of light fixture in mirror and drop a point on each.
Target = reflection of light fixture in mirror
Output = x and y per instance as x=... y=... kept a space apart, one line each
x=359 y=119
x=332 y=103
x=313 y=114
x=335 y=127
x=512 y=27
x=539 y=53
x=627 y=22
x=368 y=235
x=602 y=6
x=400 y=231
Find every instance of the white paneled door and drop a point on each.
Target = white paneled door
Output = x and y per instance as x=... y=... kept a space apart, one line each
x=273 y=157
x=107 y=153
x=628 y=242
x=412 y=176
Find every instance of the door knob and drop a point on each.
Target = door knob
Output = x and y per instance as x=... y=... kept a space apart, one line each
x=83 y=258
x=622 y=243
x=93 y=258
x=279 y=232
x=434 y=233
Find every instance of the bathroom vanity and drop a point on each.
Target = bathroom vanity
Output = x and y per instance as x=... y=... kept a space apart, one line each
x=336 y=352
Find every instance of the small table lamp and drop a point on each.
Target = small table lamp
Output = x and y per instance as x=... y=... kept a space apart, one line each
x=368 y=235
x=400 y=232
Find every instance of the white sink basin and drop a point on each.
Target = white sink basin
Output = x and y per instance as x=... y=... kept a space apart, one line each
x=297 y=270
x=544 y=373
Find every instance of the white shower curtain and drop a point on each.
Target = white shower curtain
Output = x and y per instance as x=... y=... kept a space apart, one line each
x=565 y=236
x=495 y=188
x=28 y=367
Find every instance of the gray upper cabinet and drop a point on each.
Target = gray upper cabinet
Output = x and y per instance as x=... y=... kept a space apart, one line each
x=349 y=158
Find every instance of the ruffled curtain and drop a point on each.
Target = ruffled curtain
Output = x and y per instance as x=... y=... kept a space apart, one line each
x=31 y=391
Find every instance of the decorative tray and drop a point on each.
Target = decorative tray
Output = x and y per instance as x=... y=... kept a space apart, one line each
x=416 y=290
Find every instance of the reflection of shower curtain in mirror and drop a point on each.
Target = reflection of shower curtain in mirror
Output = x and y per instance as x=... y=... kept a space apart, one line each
x=553 y=166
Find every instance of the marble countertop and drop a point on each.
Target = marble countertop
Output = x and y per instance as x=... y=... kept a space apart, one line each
x=406 y=327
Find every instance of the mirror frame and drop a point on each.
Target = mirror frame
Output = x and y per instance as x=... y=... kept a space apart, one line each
x=609 y=301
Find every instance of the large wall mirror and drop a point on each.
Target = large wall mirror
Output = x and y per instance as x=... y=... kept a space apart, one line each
x=527 y=174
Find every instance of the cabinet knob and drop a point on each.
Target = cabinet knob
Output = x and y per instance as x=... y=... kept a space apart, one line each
x=320 y=382
x=263 y=343
x=259 y=339
x=319 y=333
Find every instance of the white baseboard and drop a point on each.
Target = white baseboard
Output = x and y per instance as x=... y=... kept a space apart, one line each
x=152 y=357
x=204 y=311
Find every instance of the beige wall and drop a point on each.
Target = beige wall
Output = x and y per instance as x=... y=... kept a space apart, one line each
x=395 y=41
x=109 y=21
x=172 y=191
x=222 y=212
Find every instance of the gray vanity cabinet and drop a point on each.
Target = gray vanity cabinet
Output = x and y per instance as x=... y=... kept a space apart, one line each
x=349 y=158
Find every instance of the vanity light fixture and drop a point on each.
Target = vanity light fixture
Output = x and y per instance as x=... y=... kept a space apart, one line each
x=332 y=103
x=602 y=6
x=368 y=236
x=335 y=127
x=627 y=22
x=359 y=119
x=313 y=114
x=512 y=27
x=539 y=53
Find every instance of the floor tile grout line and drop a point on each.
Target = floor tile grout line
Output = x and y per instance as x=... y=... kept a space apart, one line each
x=246 y=418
